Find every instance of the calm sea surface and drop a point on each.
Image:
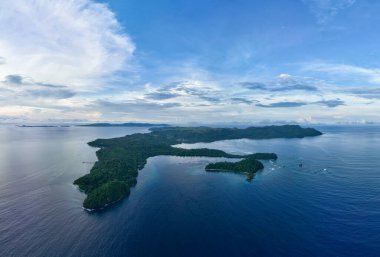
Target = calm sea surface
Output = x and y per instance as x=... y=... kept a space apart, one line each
x=329 y=207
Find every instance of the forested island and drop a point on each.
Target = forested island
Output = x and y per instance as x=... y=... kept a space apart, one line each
x=249 y=166
x=120 y=159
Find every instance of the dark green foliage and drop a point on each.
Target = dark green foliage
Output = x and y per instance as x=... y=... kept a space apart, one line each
x=202 y=152
x=119 y=159
x=249 y=166
x=264 y=156
x=105 y=194
x=115 y=170
x=206 y=134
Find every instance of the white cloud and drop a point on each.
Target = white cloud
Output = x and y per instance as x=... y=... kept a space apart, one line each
x=371 y=75
x=325 y=10
x=284 y=77
x=68 y=42
x=51 y=51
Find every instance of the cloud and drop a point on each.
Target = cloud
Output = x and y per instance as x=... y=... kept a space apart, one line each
x=132 y=106
x=57 y=57
x=76 y=42
x=51 y=93
x=253 y=85
x=368 y=93
x=161 y=95
x=190 y=90
x=283 y=83
x=331 y=103
x=282 y=105
x=20 y=89
x=285 y=78
x=13 y=79
x=325 y=10
x=240 y=100
x=287 y=82
x=371 y=75
x=291 y=104
x=18 y=80
x=295 y=87
x=210 y=99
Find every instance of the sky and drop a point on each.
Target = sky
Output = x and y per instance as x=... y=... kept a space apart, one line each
x=186 y=62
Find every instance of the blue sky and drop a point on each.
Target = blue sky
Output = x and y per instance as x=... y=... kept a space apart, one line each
x=307 y=61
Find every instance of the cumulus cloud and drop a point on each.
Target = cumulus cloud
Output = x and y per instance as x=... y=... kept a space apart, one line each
x=325 y=10
x=74 y=42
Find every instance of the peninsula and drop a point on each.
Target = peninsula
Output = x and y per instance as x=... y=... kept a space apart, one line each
x=120 y=159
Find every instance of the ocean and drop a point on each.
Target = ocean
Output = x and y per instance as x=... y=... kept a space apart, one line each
x=328 y=207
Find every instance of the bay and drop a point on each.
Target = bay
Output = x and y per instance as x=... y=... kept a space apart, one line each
x=328 y=207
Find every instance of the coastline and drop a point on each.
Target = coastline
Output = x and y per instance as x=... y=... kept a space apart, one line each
x=120 y=159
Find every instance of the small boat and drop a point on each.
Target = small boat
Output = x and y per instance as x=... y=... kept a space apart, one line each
x=300 y=165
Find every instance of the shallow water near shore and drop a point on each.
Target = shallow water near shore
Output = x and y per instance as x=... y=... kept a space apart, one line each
x=328 y=207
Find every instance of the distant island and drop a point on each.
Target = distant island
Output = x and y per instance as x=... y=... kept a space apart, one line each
x=129 y=124
x=42 y=126
x=120 y=159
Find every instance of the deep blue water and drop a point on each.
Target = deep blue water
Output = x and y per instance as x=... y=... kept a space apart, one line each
x=329 y=207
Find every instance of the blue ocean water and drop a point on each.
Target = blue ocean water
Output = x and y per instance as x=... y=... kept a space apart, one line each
x=328 y=207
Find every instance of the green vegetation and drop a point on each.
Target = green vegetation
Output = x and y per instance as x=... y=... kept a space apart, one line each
x=105 y=194
x=249 y=165
x=264 y=156
x=119 y=159
x=206 y=134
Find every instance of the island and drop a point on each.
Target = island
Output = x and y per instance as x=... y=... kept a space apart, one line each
x=120 y=159
x=249 y=166
x=128 y=124
x=42 y=126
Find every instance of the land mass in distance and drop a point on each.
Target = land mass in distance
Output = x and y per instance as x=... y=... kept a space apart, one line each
x=128 y=124
x=42 y=126
x=120 y=159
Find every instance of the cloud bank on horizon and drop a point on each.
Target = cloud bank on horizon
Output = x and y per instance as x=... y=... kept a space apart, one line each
x=85 y=60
